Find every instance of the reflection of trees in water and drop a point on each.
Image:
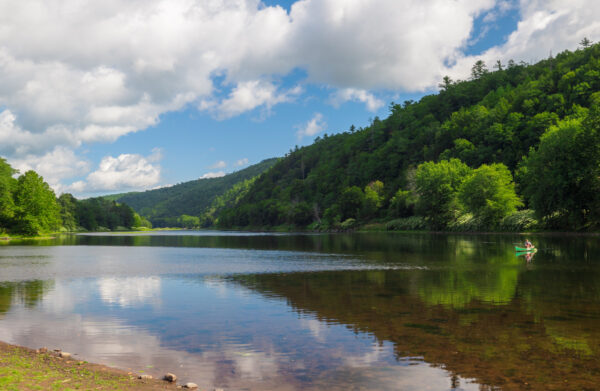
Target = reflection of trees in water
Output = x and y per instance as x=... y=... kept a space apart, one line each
x=29 y=293
x=514 y=338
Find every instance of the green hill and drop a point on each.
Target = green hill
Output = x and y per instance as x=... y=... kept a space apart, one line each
x=538 y=123
x=166 y=206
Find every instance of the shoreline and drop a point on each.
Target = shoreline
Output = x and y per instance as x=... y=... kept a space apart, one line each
x=23 y=368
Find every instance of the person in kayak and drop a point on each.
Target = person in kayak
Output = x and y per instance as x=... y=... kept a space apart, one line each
x=528 y=244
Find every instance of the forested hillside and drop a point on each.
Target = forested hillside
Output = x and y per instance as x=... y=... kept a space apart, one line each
x=516 y=147
x=187 y=204
x=28 y=206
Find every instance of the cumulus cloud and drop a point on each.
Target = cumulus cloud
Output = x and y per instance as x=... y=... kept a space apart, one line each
x=124 y=172
x=219 y=164
x=241 y=162
x=352 y=94
x=314 y=126
x=545 y=27
x=216 y=174
x=247 y=96
x=131 y=61
x=55 y=165
x=73 y=73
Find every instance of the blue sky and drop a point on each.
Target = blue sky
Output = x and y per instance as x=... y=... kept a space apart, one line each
x=136 y=95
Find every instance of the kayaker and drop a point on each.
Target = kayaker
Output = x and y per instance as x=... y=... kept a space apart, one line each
x=528 y=244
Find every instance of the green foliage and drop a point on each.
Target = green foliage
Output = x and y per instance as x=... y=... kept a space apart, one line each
x=225 y=201
x=467 y=222
x=351 y=202
x=186 y=221
x=29 y=206
x=437 y=186
x=489 y=193
x=98 y=213
x=348 y=224
x=561 y=177
x=68 y=211
x=373 y=199
x=8 y=186
x=402 y=204
x=141 y=222
x=164 y=206
x=520 y=221
x=37 y=209
x=413 y=223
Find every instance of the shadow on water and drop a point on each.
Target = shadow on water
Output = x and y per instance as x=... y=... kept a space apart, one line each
x=508 y=336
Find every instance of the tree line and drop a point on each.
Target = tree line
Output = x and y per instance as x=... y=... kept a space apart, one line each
x=510 y=149
x=29 y=206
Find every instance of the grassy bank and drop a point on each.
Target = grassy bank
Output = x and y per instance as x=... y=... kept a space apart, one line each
x=27 y=369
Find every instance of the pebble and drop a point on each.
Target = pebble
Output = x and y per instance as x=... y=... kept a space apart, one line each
x=145 y=377
x=170 y=377
x=64 y=355
x=191 y=386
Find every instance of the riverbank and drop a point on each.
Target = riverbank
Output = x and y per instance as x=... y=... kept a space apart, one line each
x=27 y=369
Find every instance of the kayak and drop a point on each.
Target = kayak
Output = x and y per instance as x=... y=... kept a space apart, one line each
x=522 y=249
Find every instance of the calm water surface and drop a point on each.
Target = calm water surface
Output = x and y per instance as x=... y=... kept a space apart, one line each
x=312 y=312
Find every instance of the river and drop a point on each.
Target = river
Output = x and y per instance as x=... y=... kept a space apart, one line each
x=363 y=311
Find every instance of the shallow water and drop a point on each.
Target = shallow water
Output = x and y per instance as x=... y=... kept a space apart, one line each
x=307 y=312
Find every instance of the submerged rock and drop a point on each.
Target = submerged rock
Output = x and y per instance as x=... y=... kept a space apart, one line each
x=170 y=377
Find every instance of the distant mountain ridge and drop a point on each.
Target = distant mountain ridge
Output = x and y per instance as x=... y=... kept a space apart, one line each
x=165 y=206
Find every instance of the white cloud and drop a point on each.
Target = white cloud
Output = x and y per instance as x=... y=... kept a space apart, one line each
x=125 y=172
x=130 y=61
x=545 y=27
x=247 y=96
x=219 y=164
x=216 y=174
x=92 y=72
x=352 y=94
x=314 y=126
x=241 y=162
x=53 y=166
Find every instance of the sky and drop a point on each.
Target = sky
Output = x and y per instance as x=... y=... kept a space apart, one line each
x=110 y=96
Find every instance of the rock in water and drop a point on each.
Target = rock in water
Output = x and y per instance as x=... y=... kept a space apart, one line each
x=170 y=377
x=191 y=386
x=65 y=355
